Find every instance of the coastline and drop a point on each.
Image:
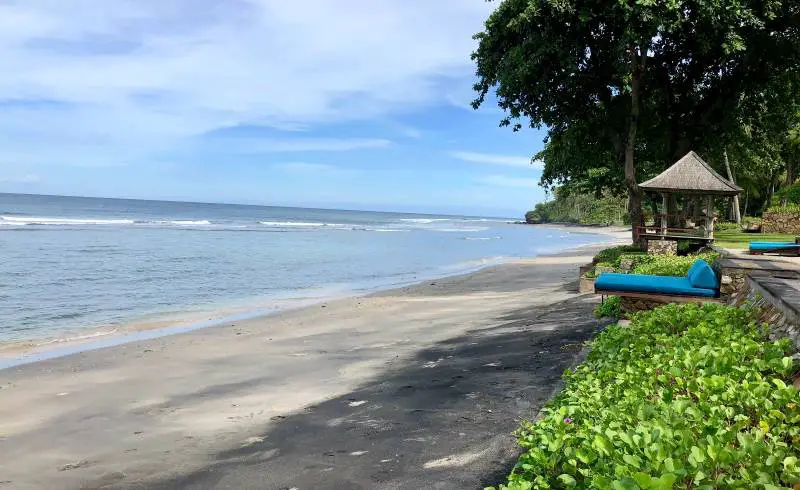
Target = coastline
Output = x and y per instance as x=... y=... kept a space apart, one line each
x=168 y=411
x=25 y=351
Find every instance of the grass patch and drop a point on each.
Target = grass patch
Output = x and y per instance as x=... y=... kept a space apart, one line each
x=738 y=239
x=686 y=397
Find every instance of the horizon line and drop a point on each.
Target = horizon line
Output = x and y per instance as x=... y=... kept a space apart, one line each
x=249 y=204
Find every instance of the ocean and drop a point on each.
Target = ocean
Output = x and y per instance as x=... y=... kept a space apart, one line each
x=76 y=267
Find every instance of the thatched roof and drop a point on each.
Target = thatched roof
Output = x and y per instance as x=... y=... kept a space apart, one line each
x=691 y=175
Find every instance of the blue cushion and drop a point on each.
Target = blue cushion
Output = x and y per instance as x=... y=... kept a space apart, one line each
x=696 y=265
x=772 y=245
x=640 y=283
x=701 y=275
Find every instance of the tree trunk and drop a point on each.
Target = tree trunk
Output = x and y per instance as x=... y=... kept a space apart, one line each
x=791 y=176
x=737 y=215
x=746 y=201
x=634 y=193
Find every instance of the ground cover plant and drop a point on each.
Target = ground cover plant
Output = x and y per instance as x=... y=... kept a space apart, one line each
x=610 y=308
x=685 y=397
x=638 y=262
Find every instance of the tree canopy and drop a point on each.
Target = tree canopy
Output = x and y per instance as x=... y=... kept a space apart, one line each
x=629 y=86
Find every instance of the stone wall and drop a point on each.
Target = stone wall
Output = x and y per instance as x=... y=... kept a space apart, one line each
x=782 y=324
x=781 y=223
x=732 y=284
x=662 y=247
x=632 y=305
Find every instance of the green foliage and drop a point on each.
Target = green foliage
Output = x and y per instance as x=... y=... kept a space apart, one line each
x=642 y=263
x=727 y=226
x=671 y=265
x=540 y=214
x=613 y=254
x=790 y=194
x=684 y=397
x=583 y=208
x=788 y=209
x=610 y=308
x=710 y=75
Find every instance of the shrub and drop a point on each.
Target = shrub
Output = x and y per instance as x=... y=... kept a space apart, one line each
x=727 y=226
x=671 y=265
x=610 y=308
x=685 y=397
x=613 y=254
x=791 y=194
x=788 y=209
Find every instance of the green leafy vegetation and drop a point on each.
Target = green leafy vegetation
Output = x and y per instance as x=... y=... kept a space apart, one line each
x=613 y=254
x=671 y=265
x=610 y=308
x=685 y=397
x=638 y=262
x=625 y=88
x=790 y=194
x=582 y=208
x=787 y=208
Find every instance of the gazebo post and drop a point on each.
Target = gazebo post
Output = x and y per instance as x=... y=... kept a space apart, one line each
x=696 y=210
x=664 y=217
x=709 y=216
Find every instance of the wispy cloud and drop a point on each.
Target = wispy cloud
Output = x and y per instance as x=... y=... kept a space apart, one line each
x=506 y=181
x=494 y=159
x=174 y=70
x=317 y=145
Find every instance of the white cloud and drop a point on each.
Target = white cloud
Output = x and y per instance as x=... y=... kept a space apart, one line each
x=135 y=76
x=505 y=181
x=494 y=159
x=250 y=145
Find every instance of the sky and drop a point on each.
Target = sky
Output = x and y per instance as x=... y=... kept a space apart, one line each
x=356 y=104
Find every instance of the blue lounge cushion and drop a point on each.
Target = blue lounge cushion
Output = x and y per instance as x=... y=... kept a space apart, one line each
x=641 y=283
x=701 y=275
x=772 y=245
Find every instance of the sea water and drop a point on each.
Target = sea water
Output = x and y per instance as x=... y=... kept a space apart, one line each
x=70 y=266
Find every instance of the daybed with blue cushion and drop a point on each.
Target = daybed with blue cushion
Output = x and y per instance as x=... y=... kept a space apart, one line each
x=700 y=284
x=758 y=248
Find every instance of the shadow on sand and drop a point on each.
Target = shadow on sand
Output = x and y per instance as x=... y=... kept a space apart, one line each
x=444 y=419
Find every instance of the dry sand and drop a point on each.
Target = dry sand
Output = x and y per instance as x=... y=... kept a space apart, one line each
x=167 y=412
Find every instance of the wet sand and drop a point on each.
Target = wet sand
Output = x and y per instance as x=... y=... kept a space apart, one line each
x=401 y=389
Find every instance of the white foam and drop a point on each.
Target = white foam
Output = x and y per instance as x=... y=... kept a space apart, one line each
x=43 y=220
x=482 y=238
x=200 y=222
x=303 y=224
x=423 y=221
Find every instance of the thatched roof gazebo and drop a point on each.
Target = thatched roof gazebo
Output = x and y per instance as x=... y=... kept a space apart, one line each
x=698 y=184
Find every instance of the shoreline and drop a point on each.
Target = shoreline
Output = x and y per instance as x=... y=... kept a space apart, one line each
x=26 y=351
x=316 y=397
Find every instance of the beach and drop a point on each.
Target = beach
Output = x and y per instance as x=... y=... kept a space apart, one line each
x=397 y=389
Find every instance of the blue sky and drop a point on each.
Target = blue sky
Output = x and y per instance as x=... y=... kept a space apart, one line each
x=357 y=104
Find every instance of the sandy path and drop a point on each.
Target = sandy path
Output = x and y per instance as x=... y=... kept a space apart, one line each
x=167 y=412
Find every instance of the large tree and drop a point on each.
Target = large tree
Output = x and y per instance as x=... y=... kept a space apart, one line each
x=622 y=84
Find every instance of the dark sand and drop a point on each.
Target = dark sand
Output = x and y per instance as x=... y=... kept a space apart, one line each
x=419 y=387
